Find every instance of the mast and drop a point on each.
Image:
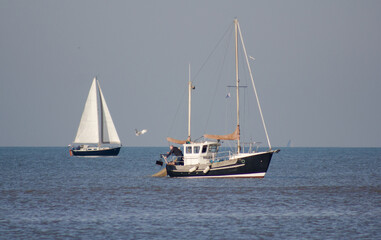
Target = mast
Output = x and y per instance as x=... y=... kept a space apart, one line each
x=189 y=104
x=237 y=81
x=190 y=87
x=100 y=110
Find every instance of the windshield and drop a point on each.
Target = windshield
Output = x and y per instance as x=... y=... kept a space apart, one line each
x=213 y=148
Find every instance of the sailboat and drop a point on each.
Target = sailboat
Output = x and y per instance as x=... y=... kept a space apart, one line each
x=96 y=135
x=202 y=159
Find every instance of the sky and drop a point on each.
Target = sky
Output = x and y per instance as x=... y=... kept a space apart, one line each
x=317 y=69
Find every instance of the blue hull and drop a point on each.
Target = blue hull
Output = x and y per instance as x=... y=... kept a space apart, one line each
x=103 y=152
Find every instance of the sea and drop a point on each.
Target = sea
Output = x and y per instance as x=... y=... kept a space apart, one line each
x=307 y=193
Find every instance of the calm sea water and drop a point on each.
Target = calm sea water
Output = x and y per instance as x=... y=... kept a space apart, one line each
x=308 y=193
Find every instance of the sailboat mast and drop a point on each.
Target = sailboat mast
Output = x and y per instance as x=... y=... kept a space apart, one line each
x=189 y=104
x=237 y=81
x=100 y=110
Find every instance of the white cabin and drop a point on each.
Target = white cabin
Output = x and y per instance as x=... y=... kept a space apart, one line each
x=200 y=153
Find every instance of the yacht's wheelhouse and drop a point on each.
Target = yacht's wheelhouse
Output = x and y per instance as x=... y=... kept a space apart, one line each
x=200 y=153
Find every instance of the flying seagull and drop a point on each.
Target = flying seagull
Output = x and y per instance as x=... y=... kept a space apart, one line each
x=138 y=133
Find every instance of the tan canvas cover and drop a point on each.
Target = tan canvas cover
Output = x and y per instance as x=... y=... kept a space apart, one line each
x=232 y=136
x=169 y=139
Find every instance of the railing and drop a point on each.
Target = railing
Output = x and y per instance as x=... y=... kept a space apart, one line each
x=248 y=147
x=221 y=156
x=169 y=159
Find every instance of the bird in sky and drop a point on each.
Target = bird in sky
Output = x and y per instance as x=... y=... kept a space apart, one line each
x=138 y=133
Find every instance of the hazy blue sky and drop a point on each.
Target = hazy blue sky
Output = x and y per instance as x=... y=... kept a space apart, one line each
x=317 y=69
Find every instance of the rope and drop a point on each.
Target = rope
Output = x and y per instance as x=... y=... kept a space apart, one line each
x=216 y=87
x=196 y=75
x=230 y=27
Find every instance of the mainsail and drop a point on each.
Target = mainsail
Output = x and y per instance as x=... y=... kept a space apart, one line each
x=88 y=128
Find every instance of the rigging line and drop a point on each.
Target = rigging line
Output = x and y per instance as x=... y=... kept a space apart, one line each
x=215 y=89
x=229 y=120
x=254 y=88
x=230 y=27
x=195 y=76
x=177 y=111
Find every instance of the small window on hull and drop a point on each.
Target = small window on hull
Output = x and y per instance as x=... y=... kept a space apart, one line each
x=189 y=149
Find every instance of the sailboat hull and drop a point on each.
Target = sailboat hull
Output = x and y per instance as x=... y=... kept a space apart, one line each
x=249 y=166
x=99 y=152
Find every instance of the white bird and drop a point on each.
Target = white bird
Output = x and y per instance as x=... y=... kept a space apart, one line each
x=138 y=133
x=251 y=57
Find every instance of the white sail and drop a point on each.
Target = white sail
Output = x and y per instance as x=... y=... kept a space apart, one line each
x=88 y=131
x=109 y=134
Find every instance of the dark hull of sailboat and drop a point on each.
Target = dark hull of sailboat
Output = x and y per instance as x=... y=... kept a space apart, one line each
x=253 y=166
x=101 y=152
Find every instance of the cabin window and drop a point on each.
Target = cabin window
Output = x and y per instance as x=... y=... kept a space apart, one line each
x=196 y=149
x=213 y=148
x=204 y=148
x=189 y=149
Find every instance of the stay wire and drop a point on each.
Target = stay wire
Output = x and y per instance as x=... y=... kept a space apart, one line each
x=212 y=52
x=177 y=111
x=198 y=72
x=217 y=83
